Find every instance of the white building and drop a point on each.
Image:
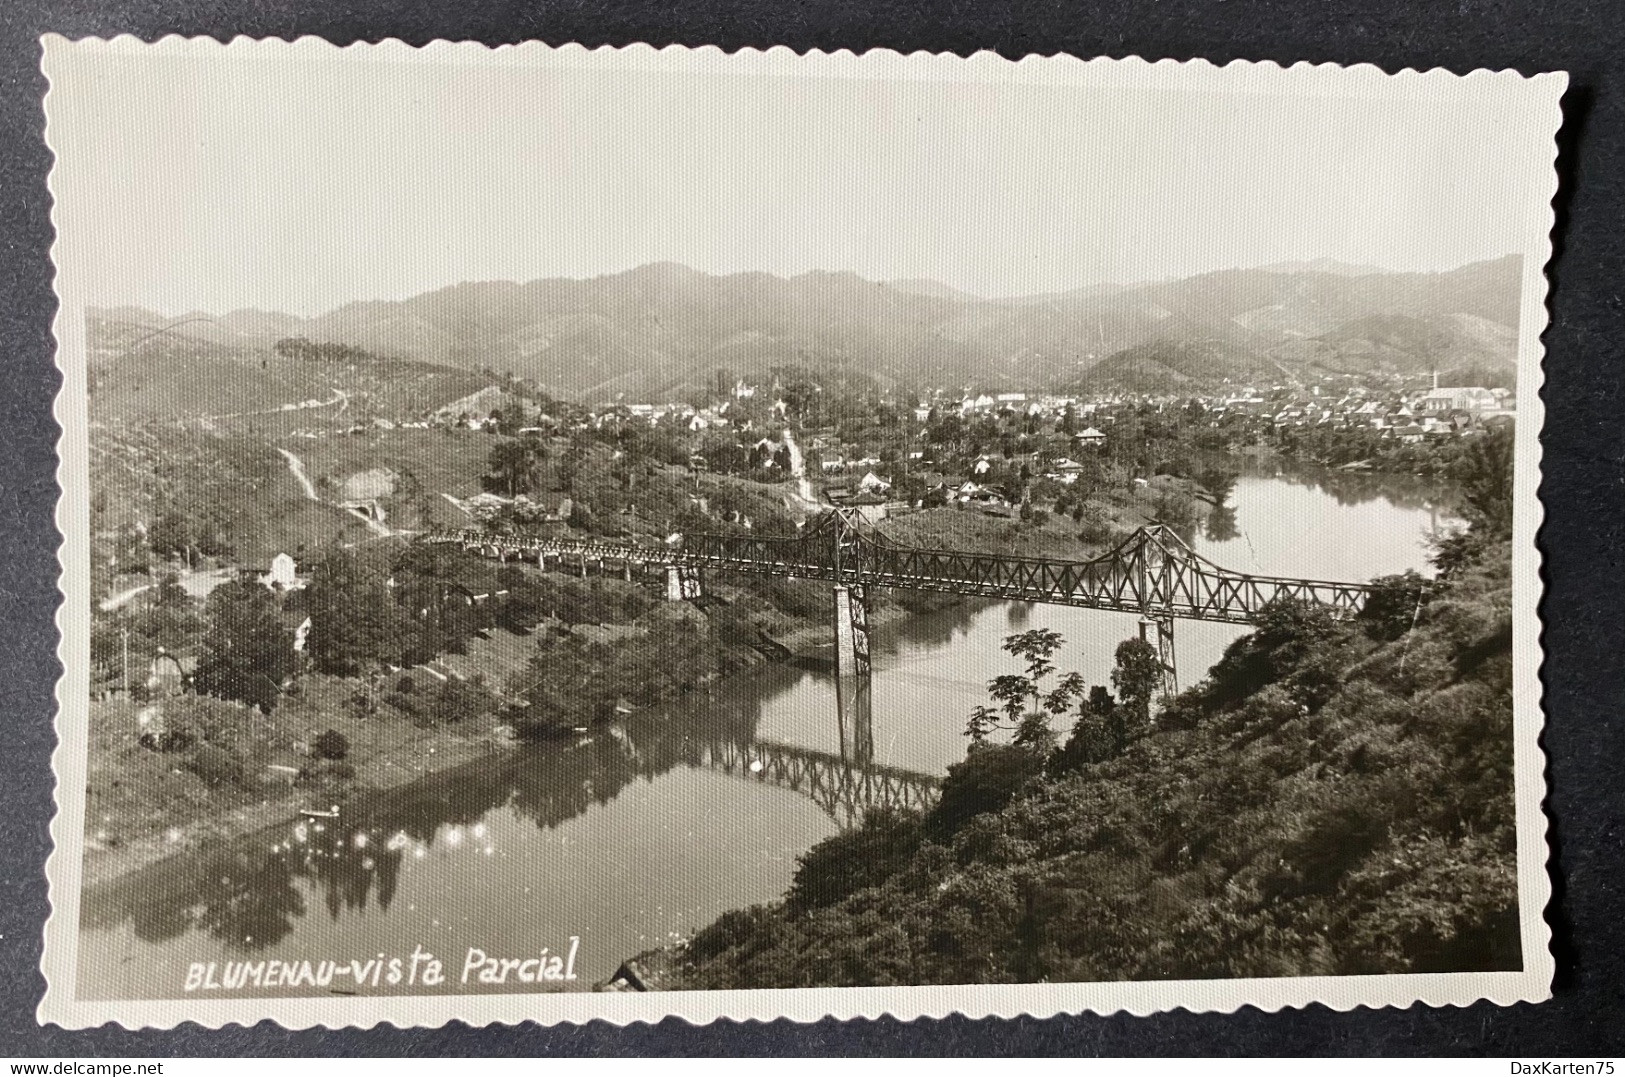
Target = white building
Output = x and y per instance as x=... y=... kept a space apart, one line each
x=284 y=574
x=1437 y=401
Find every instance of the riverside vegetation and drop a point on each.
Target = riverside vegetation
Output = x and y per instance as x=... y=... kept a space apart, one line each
x=1332 y=798
x=181 y=498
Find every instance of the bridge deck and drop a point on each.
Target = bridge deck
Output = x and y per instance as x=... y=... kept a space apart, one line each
x=1152 y=572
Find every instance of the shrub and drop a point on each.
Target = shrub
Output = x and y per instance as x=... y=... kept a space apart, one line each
x=1393 y=605
x=460 y=700
x=169 y=735
x=840 y=866
x=1096 y=531
x=331 y=745
x=216 y=766
x=729 y=930
x=986 y=781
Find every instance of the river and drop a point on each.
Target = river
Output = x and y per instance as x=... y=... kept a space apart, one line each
x=649 y=829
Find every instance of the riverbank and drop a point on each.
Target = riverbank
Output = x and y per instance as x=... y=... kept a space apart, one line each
x=144 y=805
x=228 y=770
x=1308 y=808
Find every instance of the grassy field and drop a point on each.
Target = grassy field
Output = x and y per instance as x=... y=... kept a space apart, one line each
x=427 y=463
x=1111 y=516
x=143 y=804
x=138 y=473
x=179 y=378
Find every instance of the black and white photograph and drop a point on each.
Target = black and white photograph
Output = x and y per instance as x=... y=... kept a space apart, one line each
x=556 y=533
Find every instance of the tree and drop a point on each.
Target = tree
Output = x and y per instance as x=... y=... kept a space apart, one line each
x=1072 y=686
x=581 y=517
x=170 y=536
x=1097 y=735
x=1284 y=634
x=1484 y=473
x=459 y=700
x=1026 y=708
x=1036 y=647
x=1011 y=690
x=248 y=651
x=171 y=595
x=983 y=721
x=1393 y=604
x=866 y=857
x=1219 y=482
x=354 y=621
x=330 y=745
x=131 y=553
x=515 y=465
x=1137 y=676
x=1033 y=732
x=985 y=782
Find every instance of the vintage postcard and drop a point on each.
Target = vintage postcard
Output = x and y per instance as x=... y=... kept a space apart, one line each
x=554 y=534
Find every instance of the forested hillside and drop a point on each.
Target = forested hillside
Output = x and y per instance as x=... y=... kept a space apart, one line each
x=1334 y=798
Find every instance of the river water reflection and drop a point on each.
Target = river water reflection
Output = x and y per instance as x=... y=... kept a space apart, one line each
x=650 y=829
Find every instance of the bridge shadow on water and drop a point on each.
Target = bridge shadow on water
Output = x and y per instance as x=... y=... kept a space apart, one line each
x=250 y=894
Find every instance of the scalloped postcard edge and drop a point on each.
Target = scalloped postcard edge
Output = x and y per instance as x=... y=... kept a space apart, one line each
x=1537 y=98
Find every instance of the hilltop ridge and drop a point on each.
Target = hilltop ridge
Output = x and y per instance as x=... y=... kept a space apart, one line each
x=663 y=329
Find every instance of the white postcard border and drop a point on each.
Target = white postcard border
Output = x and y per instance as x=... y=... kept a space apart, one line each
x=1536 y=99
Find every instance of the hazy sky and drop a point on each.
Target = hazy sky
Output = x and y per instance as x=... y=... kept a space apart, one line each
x=299 y=186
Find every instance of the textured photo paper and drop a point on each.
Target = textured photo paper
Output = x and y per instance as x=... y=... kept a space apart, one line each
x=559 y=534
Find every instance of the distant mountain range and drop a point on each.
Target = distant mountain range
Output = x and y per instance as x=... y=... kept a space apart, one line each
x=665 y=330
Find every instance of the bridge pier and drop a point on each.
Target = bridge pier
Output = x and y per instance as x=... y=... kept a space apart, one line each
x=853 y=701
x=682 y=583
x=1165 y=649
x=855 y=718
x=851 y=632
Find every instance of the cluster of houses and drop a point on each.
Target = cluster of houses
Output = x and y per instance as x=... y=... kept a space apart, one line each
x=722 y=415
x=868 y=497
x=1404 y=416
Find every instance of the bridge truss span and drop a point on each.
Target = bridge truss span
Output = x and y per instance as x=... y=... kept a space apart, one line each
x=844 y=790
x=1152 y=572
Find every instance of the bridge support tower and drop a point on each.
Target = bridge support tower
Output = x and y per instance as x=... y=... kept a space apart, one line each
x=682 y=583
x=851 y=632
x=853 y=701
x=1165 y=648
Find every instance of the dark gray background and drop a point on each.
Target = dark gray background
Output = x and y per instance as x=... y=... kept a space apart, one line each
x=1581 y=540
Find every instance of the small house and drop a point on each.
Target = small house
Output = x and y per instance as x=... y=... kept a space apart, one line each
x=283 y=575
x=873 y=484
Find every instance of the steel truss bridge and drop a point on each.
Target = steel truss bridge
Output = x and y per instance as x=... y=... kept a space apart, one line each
x=845 y=790
x=1152 y=572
